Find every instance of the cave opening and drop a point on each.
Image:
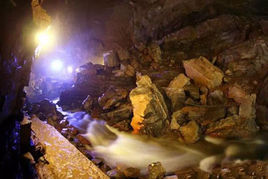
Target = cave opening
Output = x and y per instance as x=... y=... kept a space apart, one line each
x=134 y=89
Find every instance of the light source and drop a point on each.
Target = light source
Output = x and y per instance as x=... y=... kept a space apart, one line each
x=56 y=65
x=70 y=69
x=44 y=39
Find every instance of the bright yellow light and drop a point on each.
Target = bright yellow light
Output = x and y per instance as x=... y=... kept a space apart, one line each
x=45 y=40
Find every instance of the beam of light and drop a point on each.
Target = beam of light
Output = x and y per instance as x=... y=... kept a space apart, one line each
x=56 y=65
x=70 y=69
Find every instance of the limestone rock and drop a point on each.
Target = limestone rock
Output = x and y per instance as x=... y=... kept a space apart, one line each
x=190 y=132
x=232 y=127
x=149 y=108
x=203 y=72
x=112 y=97
x=237 y=93
x=247 y=108
x=177 y=119
x=193 y=91
x=216 y=98
x=111 y=59
x=175 y=90
x=156 y=171
x=123 y=54
x=154 y=52
x=87 y=103
x=121 y=113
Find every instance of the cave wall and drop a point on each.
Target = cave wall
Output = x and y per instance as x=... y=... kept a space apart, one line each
x=16 y=50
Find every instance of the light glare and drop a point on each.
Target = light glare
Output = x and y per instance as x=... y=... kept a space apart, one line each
x=70 y=69
x=56 y=65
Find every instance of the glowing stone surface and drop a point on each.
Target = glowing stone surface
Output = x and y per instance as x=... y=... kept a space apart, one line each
x=65 y=161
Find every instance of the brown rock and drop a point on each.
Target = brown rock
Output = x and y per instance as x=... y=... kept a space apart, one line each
x=111 y=59
x=175 y=91
x=193 y=91
x=114 y=173
x=156 y=171
x=190 y=132
x=155 y=52
x=149 y=108
x=177 y=119
x=262 y=116
x=112 y=97
x=203 y=72
x=132 y=172
x=233 y=126
x=83 y=140
x=87 y=103
x=237 y=93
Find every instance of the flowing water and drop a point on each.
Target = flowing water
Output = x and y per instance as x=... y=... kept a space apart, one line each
x=129 y=150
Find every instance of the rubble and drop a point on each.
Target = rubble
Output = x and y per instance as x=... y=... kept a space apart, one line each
x=150 y=112
x=203 y=72
x=112 y=97
x=156 y=171
x=88 y=104
x=175 y=91
x=154 y=52
x=190 y=132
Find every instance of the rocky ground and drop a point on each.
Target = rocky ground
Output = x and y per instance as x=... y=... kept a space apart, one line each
x=224 y=96
x=207 y=78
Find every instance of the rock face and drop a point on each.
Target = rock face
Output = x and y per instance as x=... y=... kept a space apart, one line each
x=203 y=72
x=111 y=59
x=150 y=112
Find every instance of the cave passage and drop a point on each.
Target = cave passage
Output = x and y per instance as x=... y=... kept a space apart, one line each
x=157 y=89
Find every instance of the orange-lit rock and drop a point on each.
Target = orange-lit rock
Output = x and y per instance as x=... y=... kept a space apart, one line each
x=149 y=108
x=203 y=72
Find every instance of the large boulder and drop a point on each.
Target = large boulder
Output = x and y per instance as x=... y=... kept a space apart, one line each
x=203 y=72
x=149 y=108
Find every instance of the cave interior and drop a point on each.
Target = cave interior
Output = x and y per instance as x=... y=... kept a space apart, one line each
x=134 y=89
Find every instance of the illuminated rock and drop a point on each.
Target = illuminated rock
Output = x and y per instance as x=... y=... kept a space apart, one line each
x=156 y=170
x=177 y=119
x=203 y=72
x=149 y=108
x=190 y=132
x=175 y=90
